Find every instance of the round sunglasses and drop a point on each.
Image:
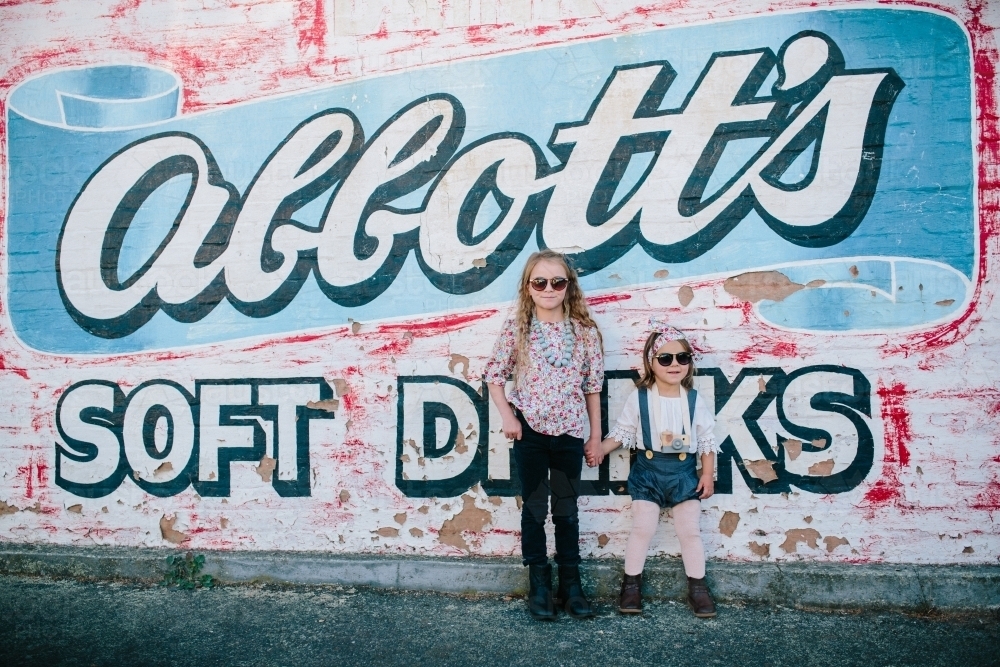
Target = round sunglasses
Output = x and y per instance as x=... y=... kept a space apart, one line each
x=558 y=284
x=665 y=359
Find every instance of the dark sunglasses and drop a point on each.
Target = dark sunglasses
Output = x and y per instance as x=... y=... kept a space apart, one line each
x=665 y=359
x=558 y=284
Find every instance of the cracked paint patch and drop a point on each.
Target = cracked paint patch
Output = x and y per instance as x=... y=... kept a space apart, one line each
x=822 y=468
x=265 y=468
x=459 y=360
x=460 y=446
x=727 y=526
x=762 y=470
x=796 y=536
x=471 y=519
x=832 y=542
x=167 y=530
x=329 y=405
x=793 y=448
x=685 y=295
x=755 y=286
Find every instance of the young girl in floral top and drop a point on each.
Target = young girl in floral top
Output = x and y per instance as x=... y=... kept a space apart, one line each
x=670 y=426
x=552 y=349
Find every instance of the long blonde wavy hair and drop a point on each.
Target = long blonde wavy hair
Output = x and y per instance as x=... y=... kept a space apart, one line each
x=574 y=307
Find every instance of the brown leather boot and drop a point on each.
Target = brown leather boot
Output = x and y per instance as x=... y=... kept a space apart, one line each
x=630 y=599
x=700 y=599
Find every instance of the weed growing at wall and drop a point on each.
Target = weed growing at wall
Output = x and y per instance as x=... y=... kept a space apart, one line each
x=185 y=572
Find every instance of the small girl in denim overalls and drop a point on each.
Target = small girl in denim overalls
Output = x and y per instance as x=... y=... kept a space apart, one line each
x=670 y=426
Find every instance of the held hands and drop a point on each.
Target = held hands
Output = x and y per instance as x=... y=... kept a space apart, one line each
x=706 y=485
x=593 y=452
x=511 y=427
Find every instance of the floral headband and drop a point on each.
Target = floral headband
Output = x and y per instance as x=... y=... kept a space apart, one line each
x=666 y=333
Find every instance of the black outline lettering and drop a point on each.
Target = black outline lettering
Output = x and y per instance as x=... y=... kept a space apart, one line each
x=240 y=415
x=788 y=105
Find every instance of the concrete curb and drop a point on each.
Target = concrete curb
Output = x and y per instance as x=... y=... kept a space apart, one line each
x=819 y=585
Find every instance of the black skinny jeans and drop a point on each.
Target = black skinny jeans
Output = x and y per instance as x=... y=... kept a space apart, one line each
x=549 y=466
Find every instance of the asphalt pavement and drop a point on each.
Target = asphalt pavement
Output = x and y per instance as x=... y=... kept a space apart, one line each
x=65 y=622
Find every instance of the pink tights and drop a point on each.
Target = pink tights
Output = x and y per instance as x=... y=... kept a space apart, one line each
x=645 y=516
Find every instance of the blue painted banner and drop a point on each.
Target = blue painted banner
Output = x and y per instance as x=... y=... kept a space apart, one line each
x=832 y=145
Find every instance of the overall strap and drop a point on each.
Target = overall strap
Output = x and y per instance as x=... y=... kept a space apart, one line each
x=688 y=417
x=692 y=399
x=644 y=417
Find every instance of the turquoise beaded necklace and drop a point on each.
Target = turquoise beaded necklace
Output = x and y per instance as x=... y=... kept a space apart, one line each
x=558 y=355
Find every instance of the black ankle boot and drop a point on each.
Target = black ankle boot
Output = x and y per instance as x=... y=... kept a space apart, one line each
x=570 y=594
x=540 y=604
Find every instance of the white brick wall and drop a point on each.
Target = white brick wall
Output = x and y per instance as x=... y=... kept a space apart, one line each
x=932 y=494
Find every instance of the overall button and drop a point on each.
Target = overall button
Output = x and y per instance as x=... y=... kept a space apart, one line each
x=649 y=453
x=682 y=456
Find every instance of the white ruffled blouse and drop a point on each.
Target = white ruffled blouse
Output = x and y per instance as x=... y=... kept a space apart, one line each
x=627 y=430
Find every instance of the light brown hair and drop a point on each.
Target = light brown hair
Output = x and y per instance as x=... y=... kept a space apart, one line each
x=574 y=306
x=647 y=379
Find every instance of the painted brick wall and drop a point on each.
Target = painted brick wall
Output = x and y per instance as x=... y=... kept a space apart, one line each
x=255 y=255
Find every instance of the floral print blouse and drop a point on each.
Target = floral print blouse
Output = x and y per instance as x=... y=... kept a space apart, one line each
x=551 y=399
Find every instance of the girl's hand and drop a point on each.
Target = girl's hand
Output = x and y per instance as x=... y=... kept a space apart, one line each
x=706 y=485
x=593 y=452
x=511 y=427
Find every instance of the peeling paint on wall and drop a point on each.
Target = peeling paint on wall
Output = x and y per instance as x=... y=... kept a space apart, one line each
x=685 y=295
x=762 y=470
x=470 y=519
x=832 y=542
x=796 y=536
x=755 y=286
x=168 y=532
x=727 y=526
x=315 y=395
